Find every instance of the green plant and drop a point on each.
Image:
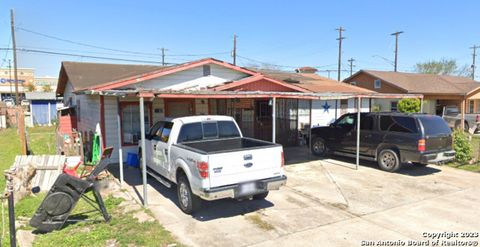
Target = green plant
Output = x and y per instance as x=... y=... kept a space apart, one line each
x=376 y=108
x=462 y=146
x=47 y=88
x=409 y=105
x=30 y=87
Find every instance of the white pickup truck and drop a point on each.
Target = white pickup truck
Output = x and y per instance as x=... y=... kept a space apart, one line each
x=208 y=158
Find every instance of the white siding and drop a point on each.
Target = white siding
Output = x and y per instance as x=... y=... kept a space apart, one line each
x=89 y=115
x=322 y=117
x=192 y=79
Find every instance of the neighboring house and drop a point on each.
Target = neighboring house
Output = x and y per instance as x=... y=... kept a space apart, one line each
x=105 y=93
x=438 y=90
x=43 y=107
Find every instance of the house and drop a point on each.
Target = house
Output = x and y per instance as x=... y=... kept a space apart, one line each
x=266 y=104
x=438 y=90
x=43 y=107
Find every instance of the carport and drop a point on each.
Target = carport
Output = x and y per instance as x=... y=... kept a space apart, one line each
x=144 y=95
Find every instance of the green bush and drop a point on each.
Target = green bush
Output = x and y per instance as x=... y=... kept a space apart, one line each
x=409 y=105
x=462 y=146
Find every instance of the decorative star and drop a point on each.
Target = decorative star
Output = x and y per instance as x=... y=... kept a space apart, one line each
x=326 y=106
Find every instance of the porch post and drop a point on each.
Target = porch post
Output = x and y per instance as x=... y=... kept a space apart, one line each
x=310 y=129
x=273 y=119
x=462 y=124
x=49 y=114
x=421 y=105
x=144 y=163
x=120 y=151
x=358 y=133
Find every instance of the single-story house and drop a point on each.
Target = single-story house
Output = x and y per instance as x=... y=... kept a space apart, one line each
x=43 y=107
x=438 y=90
x=267 y=104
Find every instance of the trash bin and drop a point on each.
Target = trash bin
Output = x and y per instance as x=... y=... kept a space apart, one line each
x=132 y=160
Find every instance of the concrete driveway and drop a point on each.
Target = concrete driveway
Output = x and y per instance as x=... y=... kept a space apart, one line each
x=329 y=203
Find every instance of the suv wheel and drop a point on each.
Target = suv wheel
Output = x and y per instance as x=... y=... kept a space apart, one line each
x=188 y=202
x=319 y=148
x=388 y=160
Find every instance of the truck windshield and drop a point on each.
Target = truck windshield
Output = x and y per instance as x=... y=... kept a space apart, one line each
x=207 y=130
x=434 y=125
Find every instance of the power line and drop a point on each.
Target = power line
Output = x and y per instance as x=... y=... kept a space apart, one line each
x=85 y=56
x=6 y=52
x=282 y=66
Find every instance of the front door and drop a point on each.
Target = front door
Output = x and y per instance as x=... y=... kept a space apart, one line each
x=263 y=120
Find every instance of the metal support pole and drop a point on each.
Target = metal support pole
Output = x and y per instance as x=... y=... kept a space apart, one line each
x=358 y=133
x=310 y=129
x=120 y=151
x=421 y=105
x=273 y=119
x=144 y=158
x=462 y=124
x=11 y=211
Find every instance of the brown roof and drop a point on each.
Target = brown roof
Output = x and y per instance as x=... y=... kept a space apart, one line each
x=424 y=83
x=313 y=82
x=84 y=75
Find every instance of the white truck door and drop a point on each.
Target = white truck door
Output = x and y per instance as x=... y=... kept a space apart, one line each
x=160 y=149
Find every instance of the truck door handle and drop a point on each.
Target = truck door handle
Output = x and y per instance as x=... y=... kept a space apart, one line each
x=247 y=165
x=166 y=151
x=154 y=147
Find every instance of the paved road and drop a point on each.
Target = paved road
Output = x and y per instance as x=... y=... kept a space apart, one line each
x=327 y=202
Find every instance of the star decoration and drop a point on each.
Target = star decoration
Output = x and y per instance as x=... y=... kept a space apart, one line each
x=326 y=106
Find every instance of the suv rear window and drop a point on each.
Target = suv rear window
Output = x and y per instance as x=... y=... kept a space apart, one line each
x=207 y=130
x=398 y=124
x=434 y=125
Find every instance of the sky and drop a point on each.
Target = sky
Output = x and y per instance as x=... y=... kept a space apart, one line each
x=279 y=34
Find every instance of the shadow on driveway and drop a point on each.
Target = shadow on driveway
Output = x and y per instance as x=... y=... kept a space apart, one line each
x=210 y=210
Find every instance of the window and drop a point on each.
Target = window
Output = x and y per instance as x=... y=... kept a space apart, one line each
x=366 y=122
x=190 y=132
x=434 y=125
x=167 y=129
x=210 y=130
x=398 y=124
x=471 y=104
x=156 y=130
x=377 y=83
x=346 y=122
x=227 y=129
x=393 y=106
x=206 y=70
x=130 y=114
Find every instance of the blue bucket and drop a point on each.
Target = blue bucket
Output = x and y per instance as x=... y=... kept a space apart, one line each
x=132 y=160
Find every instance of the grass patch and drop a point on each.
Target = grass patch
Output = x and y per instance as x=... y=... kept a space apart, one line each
x=258 y=221
x=468 y=167
x=475 y=167
x=42 y=140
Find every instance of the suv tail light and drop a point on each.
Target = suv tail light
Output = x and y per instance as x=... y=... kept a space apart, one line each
x=203 y=169
x=283 y=160
x=421 y=145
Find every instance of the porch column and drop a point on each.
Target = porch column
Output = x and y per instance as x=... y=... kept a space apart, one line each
x=462 y=123
x=144 y=162
x=120 y=151
x=49 y=114
x=421 y=105
x=273 y=119
x=358 y=133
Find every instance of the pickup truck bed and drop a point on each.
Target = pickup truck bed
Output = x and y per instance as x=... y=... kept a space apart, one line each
x=227 y=145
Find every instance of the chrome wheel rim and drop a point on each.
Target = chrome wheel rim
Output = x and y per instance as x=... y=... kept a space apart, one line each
x=184 y=194
x=318 y=147
x=388 y=159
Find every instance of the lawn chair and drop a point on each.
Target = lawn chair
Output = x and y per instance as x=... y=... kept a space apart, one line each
x=64 y=195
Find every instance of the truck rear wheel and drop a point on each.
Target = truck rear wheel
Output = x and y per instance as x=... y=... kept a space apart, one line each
x=388 y=160
x=188 y=202
x=260 y=196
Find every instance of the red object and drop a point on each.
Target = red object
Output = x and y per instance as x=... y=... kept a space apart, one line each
x=283 y=160
x=66 y=124
x=421 y=145
x=203 y=169
x=72 y=171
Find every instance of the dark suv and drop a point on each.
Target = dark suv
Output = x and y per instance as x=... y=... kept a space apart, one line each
x=389 y=138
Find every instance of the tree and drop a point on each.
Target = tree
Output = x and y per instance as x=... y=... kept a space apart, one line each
x=30 y=87
x=409 y=105
x=443 y=67
x=47 y=88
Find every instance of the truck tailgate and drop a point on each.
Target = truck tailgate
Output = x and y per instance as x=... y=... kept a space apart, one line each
x=244 y=166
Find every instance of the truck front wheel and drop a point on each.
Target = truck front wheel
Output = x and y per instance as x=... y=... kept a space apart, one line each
x=188 y=202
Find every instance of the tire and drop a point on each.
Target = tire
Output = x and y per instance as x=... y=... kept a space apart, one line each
x=260 y=196
x=388 y=160
x=319 y=147
x=466 y=127
x=189 y=203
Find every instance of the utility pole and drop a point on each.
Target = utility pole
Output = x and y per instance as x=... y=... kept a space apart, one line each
x=340 y=38
x=474 y=48
x=10 y=76
x=396 y=48
x=163 y=55
x=12 y=22
x=234 y=53
x=351 y=60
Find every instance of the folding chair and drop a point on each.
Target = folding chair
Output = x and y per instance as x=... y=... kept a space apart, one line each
x=65 y=194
